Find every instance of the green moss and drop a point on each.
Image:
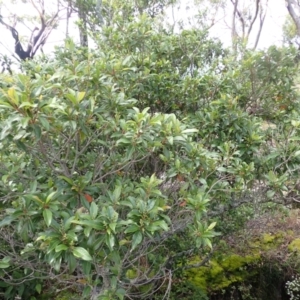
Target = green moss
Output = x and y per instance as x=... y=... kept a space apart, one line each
x=232 y=262
x=198 y=277
x=227 y=267
x=254 y=245
x=268 y=238
x=294 y=246
x=215 y=269
x=238 y=264
x=223 y=270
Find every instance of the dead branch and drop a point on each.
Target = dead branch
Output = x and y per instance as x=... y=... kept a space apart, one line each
x=38 y=36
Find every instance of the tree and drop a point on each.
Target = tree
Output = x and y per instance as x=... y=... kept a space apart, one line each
x=106 y=186
x=289 y=30
x=244 y=19
x=292 y=25
x=94 y=15
x=38 y=35
x=245 y=24
x=293 y=8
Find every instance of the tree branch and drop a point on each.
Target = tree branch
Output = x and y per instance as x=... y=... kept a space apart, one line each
x=294 y=16
x=261 y=23
x=36 y=39
x=233 y=30
x=254 y=18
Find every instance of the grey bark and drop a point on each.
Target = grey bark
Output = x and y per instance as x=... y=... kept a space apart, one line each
x=83 y=26
x=293 y=14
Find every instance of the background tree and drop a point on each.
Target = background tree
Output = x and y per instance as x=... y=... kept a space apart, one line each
x=243 y=24
x=245 y=17
x=291 y=27
x=293 y=8
x=38 y=35
x=94 y=15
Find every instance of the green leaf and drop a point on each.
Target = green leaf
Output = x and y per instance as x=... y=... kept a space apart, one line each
x=132 y=228
x=170 y=140
x=47 y=214
x=33 y=186
x=94 y=210
x=117 y=193
x=270 y=194
x=4 y=265
x=50 y=196
x=110 y=241
x=38 y=288
x=123 y=141
x=112 y=226
x=92 y=223
x=136 y=239
x=86 y=267
x=61 y=247
x=121 y=293
x=21 y=146
x=80 y=96
x=190 y=130
x=37 y=131
x=211 y=226
x=27 y=105
x=11 y=92
x=86 y=292
x=162 y=224
x=68 y=180
x=72 y=97
x=56 y=263
x=68 y=223
x=207 y=242
x=80 y=252
x=44 y=123
x=7 y=220
x=179 y=138
x=72 y=262
x=87 y=231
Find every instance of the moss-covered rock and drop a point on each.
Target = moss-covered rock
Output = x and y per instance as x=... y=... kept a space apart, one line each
x=241 y=261
x=222 y=271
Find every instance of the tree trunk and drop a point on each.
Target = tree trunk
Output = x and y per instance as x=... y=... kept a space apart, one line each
x=83 y=26
x=293 y=14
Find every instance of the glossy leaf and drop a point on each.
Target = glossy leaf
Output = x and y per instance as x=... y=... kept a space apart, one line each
x=81 y=253
x=47 y=214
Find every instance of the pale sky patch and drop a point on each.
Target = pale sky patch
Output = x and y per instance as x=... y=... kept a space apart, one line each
x=271 y=33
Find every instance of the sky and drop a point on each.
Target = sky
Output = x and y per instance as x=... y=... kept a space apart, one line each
x=271 y=33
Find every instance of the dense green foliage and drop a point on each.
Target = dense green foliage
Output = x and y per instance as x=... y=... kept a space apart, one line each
x=119 y=163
